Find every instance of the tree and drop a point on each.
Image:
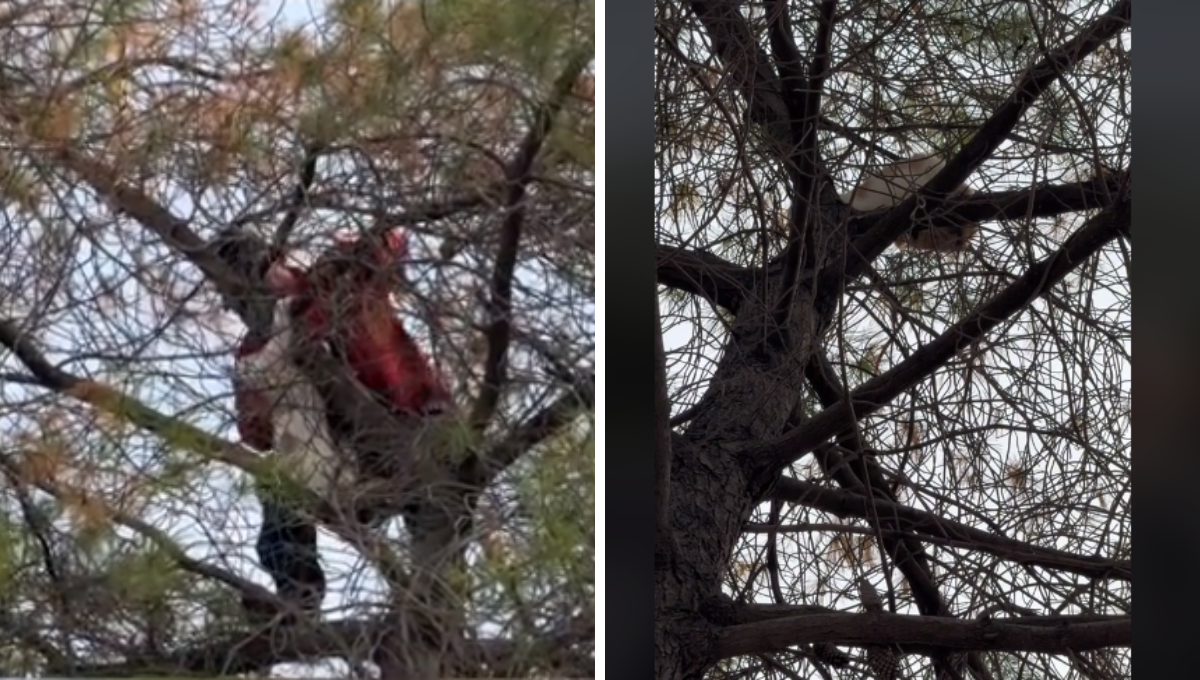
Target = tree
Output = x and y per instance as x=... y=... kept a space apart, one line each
x=154 y=154
x=952 y=429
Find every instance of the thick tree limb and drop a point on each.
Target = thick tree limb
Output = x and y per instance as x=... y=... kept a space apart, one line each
x=242 y=652
x=926 y=525
x=744 y=612
x=791 y=74
x=703 y=274
x=747 y=65
x=924 y=634
x=752 y=613
x=805 y=163
x=879 y=391
x=992 y=133
x=1043 y=201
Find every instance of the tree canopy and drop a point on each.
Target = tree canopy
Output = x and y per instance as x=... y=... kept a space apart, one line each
x=154 y=151
x=838 y=416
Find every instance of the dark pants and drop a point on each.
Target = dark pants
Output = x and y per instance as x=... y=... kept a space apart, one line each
x=287 y=549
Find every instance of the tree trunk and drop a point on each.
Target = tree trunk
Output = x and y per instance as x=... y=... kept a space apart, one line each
x=753 y=393
x=426 y=631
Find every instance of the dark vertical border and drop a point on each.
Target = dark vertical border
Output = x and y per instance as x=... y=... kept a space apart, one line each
x=629 y=283
x=1166 y=384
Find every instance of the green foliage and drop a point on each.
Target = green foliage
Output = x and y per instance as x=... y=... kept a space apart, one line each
x=532 y=35
x=558 y=493
x=145 y=576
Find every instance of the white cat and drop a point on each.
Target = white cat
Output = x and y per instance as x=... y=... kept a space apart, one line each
x=891 y=184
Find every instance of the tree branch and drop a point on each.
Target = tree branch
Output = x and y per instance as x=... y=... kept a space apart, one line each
x=578 y=396
x=174 y=231
x=924 y=525
x=787 y=63
x=115 y=403
x=299 y=197
x=248 y=589
x=242 y=652
x=188 y=437
x=411 y=215
x=747 y=65
x=805 y=163
x=703 y=274
x=879 y=391
x=991 y=134
x=924 y=634
x=1043 y=201
x=518 y=174
x=862 y=474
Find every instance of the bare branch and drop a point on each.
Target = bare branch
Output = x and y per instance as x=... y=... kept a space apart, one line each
x=924 y=634
x=876 y=393
x=927 y=526
x=518 y=175
x=701 y=273
x=806 y=163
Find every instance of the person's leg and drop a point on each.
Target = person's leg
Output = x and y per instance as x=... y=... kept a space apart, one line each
x=287 y=549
